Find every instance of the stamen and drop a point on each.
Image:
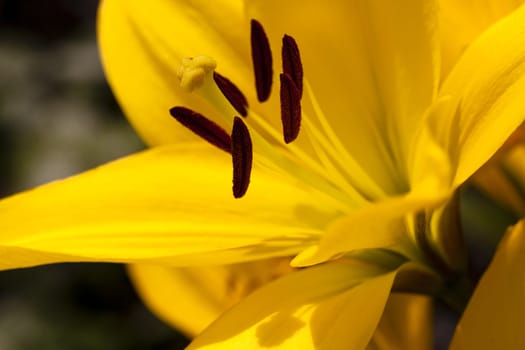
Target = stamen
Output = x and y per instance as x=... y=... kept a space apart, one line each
x=242 y=157
x=232 y=93
x=203 y=127
x=290 y=108
x=292 y=62
x=262 y=61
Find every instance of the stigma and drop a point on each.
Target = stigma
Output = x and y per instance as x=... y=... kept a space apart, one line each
x=194 y=71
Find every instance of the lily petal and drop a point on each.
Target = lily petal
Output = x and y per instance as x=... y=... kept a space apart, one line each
x=489 y=82
x=462 y=21
x=308 y=309
x=174 y=294
x=384 y=221
x=142 y=46
x=406 y=324
x=382 y=55
x=203 y=292
x=495 y=315
x=166 y=205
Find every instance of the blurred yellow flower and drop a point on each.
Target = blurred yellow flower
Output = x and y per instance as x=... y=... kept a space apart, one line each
x=395 y=111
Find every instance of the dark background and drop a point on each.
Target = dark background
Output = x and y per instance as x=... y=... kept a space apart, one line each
x=58 y=117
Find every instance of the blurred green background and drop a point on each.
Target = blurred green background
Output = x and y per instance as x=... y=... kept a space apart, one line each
x=58 y=117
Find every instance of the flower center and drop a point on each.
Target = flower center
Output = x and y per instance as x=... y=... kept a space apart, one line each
x=320 y=160
x=195 y=73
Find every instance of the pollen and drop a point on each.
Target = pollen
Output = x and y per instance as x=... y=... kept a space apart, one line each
x=262 y=60
x=292 y=61
x=203 y=127
x=242 y=154
x=290 y=108
x=232 y=93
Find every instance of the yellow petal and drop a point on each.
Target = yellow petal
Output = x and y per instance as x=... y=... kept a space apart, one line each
x=489 y=82
x=373 y=66
x=462 y=21
x=142 y=45
x=429 y=165
x=190 y=298
x=495 y=315
x=378 y=225
x=171 y=205
x=310 y=309
x=406 y=324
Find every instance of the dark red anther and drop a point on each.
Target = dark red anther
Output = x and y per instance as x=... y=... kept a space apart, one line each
x=203 y=127
x=242 y=157
x=232 y=93
x=262 y=61
x=290 y=108
x=292 y=62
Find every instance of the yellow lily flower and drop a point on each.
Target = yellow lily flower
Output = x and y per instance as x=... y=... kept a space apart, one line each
x=385 y=133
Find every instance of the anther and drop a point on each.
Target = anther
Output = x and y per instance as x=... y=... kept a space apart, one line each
x=292 y=62
x=242 y=157
x=290 y=108
x=232 y=93
x=262 y=61
x=203 y=127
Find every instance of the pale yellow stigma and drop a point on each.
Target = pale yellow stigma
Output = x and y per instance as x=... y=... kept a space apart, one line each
x=196 y=75
x=194 y=71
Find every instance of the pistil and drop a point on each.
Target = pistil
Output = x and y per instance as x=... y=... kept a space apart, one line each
x=193 y=72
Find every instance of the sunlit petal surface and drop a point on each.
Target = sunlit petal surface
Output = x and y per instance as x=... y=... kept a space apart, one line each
x=495 y=316
x=311 y=309
x=145 y=208
x=462 y=21
x=488 y=81
x=190 y=298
